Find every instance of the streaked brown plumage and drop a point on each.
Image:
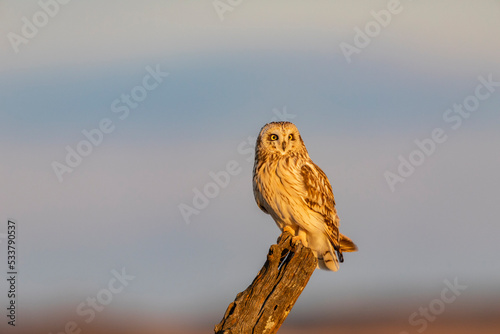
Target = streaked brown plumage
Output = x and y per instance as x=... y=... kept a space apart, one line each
x=297 y=194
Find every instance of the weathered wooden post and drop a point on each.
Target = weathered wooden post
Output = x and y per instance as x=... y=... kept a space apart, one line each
x=266 y=303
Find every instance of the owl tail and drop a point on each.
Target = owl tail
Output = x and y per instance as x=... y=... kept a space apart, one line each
x=331 y=258
x=328 y=260
x=347 y=245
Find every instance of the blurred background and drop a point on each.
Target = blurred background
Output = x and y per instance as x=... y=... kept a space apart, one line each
x=115 y=116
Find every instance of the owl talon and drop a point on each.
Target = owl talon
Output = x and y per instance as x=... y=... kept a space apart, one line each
x=289 y=230
x=300 y=238
x=296 y=240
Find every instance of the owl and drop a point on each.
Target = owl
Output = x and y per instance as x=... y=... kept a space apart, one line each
x=297 y=194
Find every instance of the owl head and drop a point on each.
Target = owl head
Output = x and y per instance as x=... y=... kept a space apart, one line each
x=279 y=138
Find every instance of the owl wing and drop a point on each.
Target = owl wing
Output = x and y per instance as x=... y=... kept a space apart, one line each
x=318 y=196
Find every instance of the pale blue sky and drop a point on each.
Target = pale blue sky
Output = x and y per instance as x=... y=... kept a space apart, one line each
x=119 y=207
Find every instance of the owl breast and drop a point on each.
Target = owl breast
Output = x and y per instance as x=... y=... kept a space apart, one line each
x=277 y=190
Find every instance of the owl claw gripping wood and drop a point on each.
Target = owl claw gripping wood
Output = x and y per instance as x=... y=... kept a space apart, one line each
x=297 y=194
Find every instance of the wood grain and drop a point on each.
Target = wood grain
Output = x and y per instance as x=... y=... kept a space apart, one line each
x=265 y=304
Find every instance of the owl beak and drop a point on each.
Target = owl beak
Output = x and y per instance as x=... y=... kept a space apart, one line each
x=283 y=144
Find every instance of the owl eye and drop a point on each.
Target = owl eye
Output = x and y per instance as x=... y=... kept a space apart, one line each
x=274 y=137
x=290 y=137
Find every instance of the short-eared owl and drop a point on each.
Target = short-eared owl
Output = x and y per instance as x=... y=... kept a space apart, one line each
x=297 y=194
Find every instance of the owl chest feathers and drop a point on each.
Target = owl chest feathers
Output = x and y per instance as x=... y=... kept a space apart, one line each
x=279 y=189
